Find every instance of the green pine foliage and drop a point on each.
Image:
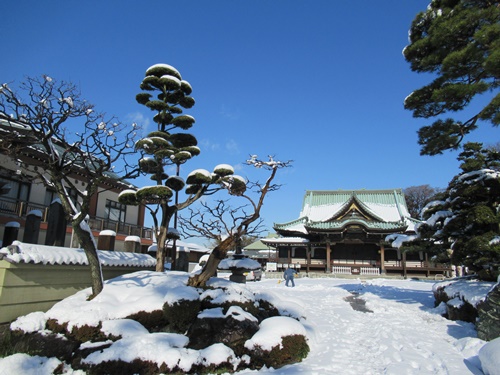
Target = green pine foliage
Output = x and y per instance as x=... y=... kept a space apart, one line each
x=463 y=222
x=458 y=41
x=168 y=95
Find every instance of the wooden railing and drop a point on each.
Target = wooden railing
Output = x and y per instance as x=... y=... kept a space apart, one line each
x=11 y=207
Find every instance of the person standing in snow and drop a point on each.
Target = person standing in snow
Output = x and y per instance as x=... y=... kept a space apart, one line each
x=289 y=276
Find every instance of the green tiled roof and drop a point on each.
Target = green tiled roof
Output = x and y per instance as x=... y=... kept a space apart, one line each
x=371 y=225
x=375 y=210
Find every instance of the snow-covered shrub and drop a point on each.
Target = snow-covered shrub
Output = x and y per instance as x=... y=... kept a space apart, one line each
x=148 y=165
x=183 y=121
x=176 y=183
x=154 y=193
x=224 y=170
x=128 y=197
x=198 y=177
x=193 y=189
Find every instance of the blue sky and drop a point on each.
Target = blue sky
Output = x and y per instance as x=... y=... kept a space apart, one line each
x=319 y=82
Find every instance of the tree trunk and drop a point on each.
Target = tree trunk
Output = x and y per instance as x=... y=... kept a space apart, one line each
x=89 y=246
x=210 y=269
x=161 y=241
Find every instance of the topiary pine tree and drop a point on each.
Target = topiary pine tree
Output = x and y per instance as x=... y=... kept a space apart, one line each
x=170 y=146
x=465 y=217
x=458 y=41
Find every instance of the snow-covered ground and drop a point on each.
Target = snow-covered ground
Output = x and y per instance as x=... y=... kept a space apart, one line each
x=398 y=332
x=404 y=333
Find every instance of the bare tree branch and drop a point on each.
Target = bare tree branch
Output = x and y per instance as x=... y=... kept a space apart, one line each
x=242 y=224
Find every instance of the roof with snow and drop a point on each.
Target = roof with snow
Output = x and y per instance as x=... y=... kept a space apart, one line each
x=377 y=211
x=20 y=252
x=36 y=152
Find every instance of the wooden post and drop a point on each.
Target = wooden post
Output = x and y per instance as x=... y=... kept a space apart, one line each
x=404 y=263
x=427 y=264
x=382 y=259
x=308 y=257
x=328 y=265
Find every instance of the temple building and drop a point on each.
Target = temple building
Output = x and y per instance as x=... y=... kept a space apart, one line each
x=346 y=232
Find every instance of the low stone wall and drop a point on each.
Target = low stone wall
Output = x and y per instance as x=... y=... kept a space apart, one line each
x=28 y=287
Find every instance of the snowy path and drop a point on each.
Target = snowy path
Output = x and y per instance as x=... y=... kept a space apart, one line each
x=403 y=335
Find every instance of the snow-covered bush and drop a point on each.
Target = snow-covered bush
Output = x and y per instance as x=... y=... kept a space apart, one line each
x=149 y=322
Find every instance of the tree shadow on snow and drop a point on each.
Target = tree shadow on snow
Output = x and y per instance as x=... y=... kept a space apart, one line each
x=392 y=293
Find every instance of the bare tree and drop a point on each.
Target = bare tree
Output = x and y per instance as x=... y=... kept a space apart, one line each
x=215 y=221
x=417 y=197
x=244 y=222
x=38 y=124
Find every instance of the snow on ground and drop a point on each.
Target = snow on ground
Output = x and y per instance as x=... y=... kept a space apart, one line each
x=402 y=332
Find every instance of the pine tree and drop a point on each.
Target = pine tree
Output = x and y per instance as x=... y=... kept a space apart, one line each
x=464 y=220
x=458 y=41
x=170 y=146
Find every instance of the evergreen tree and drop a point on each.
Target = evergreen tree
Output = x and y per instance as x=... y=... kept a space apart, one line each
x=458 y=41
x=170 y=146
x=463 y=221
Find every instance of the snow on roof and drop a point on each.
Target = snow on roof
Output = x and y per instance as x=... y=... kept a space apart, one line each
x=20 y=252
x=320 y=213
x=289 y=240
x=388 y=212
x=186 y=246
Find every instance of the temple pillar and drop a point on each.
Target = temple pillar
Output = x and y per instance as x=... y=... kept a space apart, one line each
x=404 y=263
x=328 y=258
x=382 y=259
x=427 y=264
x=308 y=257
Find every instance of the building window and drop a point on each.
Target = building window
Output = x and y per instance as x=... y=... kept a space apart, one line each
x=19 y=191
x=50 y=195
x=115 y=211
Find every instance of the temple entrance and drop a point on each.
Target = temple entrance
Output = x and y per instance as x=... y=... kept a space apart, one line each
x=353 y=254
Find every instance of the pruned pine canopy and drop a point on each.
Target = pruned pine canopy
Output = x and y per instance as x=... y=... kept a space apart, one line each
x=458 y=41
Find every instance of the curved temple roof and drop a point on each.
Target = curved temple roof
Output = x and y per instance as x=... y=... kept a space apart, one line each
x=334 y=210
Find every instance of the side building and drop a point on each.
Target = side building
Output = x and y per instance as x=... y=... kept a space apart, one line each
x=345 y=231
x=22 y=194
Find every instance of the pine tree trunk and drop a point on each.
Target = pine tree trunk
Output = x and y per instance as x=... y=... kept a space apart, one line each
x=210 y=269
x=89 y=246
x=161 y=239
x=161 y=249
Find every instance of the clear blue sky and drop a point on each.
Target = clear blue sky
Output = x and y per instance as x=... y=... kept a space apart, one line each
x=319 y=82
